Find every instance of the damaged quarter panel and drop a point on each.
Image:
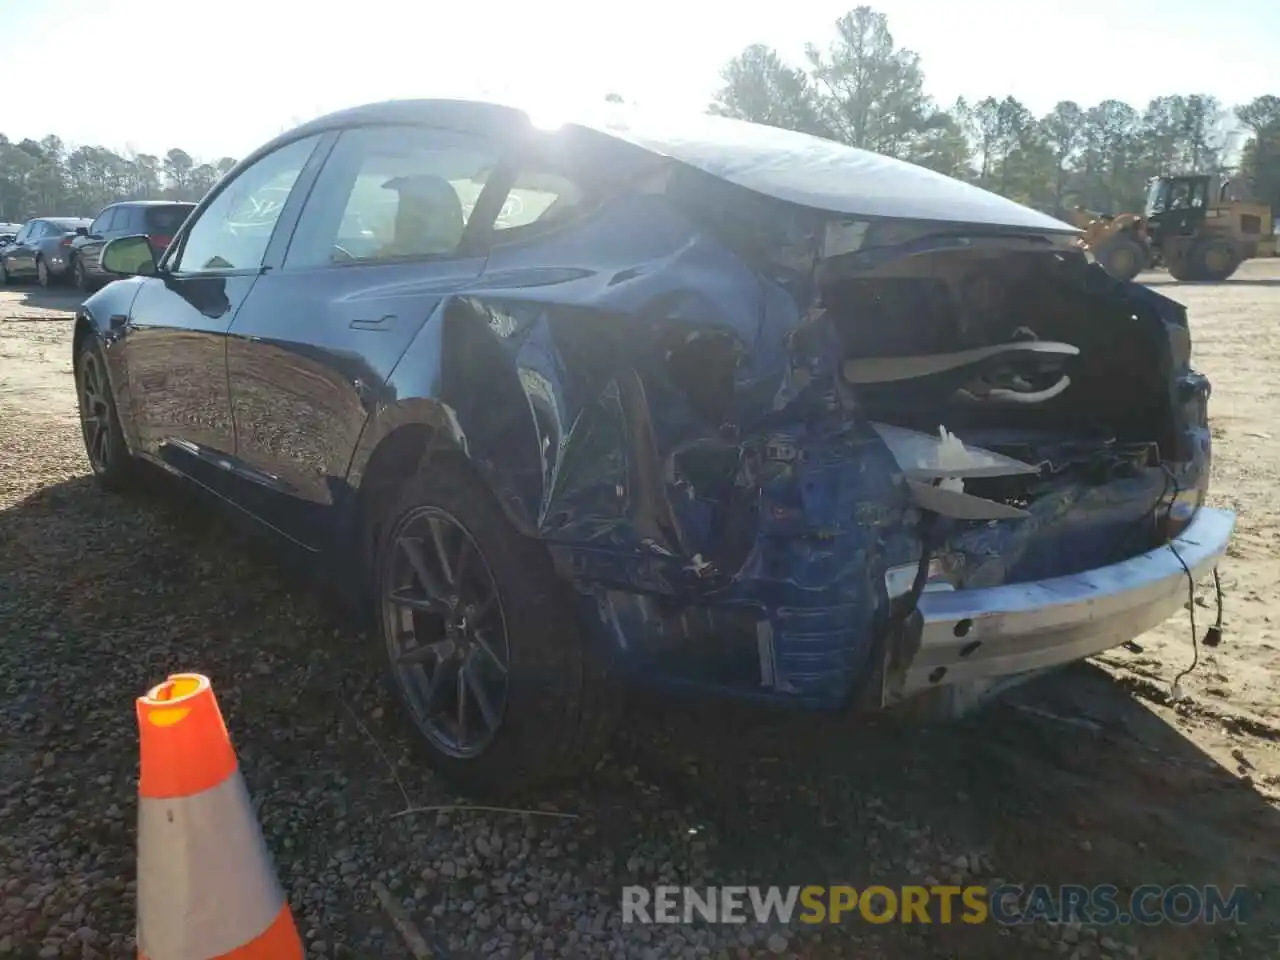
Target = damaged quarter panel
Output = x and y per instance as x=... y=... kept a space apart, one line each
x=651 y=402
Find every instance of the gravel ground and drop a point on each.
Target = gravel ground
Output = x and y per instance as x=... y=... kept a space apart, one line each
x=1088 y=777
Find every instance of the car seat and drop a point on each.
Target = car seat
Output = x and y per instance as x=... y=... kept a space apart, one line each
x=429 y=219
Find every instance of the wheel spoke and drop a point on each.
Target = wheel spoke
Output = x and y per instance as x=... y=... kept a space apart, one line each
x=483 y=643
x=485 y=608
x=433 y=687
x=460 y=569
x=412 y=547
x=427 y=604
x=462 y=708
x=441 y=554
x=487 y=711
x=424 y=651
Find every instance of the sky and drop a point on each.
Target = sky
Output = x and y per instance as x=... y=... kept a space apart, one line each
x=218 y=79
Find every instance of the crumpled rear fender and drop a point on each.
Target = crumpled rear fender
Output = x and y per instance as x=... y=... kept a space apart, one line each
x=666 y=417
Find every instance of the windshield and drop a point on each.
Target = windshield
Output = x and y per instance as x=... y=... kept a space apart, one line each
x=1157 y=197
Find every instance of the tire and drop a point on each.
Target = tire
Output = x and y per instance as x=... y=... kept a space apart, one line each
x=559 y=698
x=1123 y=257
x=1177 y=262
x=109 y=458
x=4 y=275
x=81 y=279
x=43 y=277
x=1213 y=259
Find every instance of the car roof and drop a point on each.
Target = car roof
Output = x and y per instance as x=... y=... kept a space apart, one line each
x=150 y=203
x=784 y=164
x=64 y=221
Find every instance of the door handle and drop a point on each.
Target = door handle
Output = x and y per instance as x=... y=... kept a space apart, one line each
x=382 y=323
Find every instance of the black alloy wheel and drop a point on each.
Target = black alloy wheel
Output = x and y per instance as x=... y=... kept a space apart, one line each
x=104 y=443
x=503 y=687
x=447 y=634
x=95 y=412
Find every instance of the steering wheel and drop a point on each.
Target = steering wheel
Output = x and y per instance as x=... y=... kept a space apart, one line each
x=513 y=206
x=344 y=255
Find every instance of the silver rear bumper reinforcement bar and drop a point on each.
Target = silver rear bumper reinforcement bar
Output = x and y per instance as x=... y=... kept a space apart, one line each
x=983 y=634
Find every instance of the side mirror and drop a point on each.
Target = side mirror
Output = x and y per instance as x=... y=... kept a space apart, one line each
x=82 y=231
x=129 y=257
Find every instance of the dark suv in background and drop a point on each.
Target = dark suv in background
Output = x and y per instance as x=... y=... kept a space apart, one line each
x=41 y=249
x=158 y=219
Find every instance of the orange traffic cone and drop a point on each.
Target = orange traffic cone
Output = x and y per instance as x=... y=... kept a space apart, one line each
x=206 y=886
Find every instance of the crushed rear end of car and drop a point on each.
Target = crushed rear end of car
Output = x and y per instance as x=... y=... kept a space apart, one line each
x=862 y=458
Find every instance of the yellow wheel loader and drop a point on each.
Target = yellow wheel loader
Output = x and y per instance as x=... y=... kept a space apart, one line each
x=1187 y=225
x=1119 y=243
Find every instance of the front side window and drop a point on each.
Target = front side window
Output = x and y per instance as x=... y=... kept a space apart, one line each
x=392 y=193
x=103 y=223
x=233 y=232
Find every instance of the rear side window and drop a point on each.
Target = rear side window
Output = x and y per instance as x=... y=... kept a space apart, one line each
x=165 y=220
x=537 y=202
x=392 y=193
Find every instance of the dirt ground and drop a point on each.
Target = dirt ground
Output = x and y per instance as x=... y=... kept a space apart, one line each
x=1090 y=776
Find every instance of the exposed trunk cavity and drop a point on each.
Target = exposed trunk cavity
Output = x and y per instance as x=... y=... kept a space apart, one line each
x=1035 y=356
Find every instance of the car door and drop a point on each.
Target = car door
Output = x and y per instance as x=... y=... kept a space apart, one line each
x=176 y=346
x=20 y=259
x=386 y=238
x=9 y=252
x=89 y=249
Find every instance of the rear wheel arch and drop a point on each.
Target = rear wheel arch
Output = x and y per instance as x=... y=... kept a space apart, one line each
x=393 y=461
x=563 y=692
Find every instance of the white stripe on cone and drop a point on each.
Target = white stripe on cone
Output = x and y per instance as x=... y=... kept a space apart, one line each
x=205 y=881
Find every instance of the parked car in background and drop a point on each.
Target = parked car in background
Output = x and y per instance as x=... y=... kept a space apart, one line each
x=41 y=249
x=158 y=220
x=658 y=399
x=8 y=231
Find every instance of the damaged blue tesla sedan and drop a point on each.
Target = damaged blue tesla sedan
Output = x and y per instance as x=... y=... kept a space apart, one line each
x=689 y=401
